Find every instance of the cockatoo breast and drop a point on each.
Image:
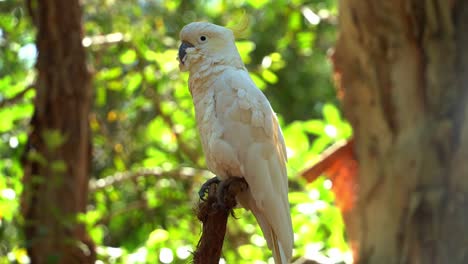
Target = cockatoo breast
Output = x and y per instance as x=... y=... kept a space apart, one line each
x=208 y=92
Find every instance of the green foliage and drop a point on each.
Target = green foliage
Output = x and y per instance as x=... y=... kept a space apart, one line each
x=147 y=158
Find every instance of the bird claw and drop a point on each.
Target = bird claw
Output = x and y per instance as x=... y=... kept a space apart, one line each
x=206 y=187
x=225 y=192
x=228 y=190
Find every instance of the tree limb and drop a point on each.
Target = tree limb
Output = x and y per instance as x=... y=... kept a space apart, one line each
x=17 y=97
x=120 y=177
x=213 y=213
x=106 y=39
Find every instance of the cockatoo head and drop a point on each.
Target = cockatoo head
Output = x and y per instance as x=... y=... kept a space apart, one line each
x=203 y=42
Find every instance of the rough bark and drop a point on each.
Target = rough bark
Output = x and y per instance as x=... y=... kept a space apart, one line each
x=57 y=159
x=402 y=67
x=213 y=213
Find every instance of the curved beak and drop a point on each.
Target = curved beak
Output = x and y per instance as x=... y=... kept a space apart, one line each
x=182 y=51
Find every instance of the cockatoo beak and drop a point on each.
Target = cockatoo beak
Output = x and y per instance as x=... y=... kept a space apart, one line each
x=182 y=51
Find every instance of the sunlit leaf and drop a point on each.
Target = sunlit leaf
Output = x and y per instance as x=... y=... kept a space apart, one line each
x=8 y=116
x=316 y=127
x=296 y=138
x=134 y=82
x=269 y=76
x=6 y=120
x=167 y=60
x=320 y=144
x=108 y=74
x=135 y=72
x=245 y=47
x=298 y=197
x=257 y=3
x=128 y=57
x=157 y=236
x=249 y=251
x=119 y=163
x=101 y=96
x=258 y=81
x=295 y=21
x=331 y=114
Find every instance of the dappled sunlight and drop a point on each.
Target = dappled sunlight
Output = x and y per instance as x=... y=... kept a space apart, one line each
x=147 y=161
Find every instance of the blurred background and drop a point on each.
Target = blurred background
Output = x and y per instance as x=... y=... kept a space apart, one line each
x=147 y=159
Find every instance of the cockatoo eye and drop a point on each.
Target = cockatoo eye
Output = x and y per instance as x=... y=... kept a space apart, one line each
x=203 y=38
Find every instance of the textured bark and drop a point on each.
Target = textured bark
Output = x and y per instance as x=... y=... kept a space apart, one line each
x=213 y=213
x=57 y=159
x=402 y=68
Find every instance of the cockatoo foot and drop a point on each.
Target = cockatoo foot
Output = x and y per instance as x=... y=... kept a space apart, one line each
x=206 y=187
x=227 y=191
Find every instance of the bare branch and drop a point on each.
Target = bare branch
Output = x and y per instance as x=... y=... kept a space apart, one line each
x=136 y=205
x=120 y=177
x=105 y=39
x=213 y=213
x=17 y=97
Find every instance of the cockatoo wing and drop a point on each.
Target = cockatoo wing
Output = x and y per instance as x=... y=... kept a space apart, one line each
x=250 y=129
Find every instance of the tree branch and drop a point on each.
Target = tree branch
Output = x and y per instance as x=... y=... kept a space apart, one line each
x=213 y=213
x=107 y=39
x=14 y=99
x=120 y=177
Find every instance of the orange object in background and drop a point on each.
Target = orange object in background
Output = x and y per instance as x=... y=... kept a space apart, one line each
x=339 y=164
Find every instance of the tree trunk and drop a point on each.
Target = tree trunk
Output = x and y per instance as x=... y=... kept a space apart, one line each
x=402 y=68
x=57 y=160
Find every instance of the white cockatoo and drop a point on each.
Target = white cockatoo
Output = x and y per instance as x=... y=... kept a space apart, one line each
x=239 y=131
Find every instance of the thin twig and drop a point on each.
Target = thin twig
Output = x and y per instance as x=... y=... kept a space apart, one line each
x=120 y=177
x=17 y=97
x=213 y=213
x=106 y=39
x=132 y=206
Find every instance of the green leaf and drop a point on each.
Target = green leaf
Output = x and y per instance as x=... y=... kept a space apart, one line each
x=128 y=57
x=97 y=234
x=258 y=81
x=150 y=73
x=6 y=120
x=295 y=21
x=298 y=197
x=8 y=116
x=296 y=139
x=156 y=237
x=134 y=82
x=245 y=47
x=315 y=126
x=151 y=55
x=167 y=60
x=119 y=163
x=152 y=199
x=257 y=4
x=345 y=130
x=250 y=252
x=109 y=74
x=269 y=76
x=101 y=96
x=320 y=144
x=331 y=114
x=35 y=156
x=53 y=138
